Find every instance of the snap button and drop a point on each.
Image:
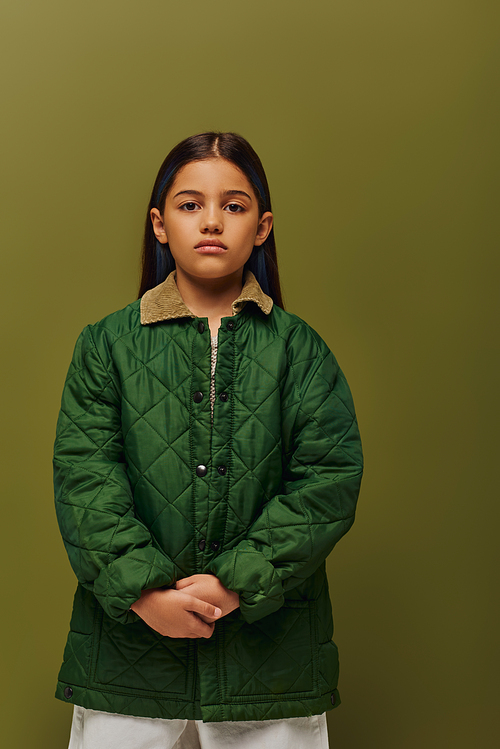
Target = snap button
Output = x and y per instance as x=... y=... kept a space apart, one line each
x=201 y=544
x=215 y=545
x=201 y=327
x=198 y=397
x=333 y=699
x=224 y=397
x=201 y=470
x=222 y=470
x=68 y=692
x=230 y=326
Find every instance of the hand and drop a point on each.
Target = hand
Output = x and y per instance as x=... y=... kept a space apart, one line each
x=209 y=588
x=175 y=613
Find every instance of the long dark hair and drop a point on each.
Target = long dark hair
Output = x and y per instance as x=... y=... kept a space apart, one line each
x=157 y=260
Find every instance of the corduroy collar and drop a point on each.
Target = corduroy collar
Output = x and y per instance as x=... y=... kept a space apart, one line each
x=164 y=302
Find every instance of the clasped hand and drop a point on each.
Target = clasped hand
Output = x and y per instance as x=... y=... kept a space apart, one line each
x=188 y=610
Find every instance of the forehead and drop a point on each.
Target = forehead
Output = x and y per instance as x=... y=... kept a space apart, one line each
x=211 y=175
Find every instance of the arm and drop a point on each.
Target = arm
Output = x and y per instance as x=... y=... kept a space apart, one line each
x=111 y=551
x=298 y=528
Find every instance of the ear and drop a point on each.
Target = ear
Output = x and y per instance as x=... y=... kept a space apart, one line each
x=264 y=228
x=158 y=226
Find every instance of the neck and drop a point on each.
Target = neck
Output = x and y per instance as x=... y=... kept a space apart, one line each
x=209 y=297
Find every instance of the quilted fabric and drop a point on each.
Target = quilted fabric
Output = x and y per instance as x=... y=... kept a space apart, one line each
x=284 y=463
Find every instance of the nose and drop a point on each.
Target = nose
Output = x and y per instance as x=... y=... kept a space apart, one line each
x=211 y=221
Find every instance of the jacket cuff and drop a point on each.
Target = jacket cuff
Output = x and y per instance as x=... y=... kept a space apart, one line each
x=246 y=571
x=121 y=582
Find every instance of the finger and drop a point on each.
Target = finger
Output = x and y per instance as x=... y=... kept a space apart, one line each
x=204 y=619
x=202 y=607
x=206 y=630
x=185 y=581
x=200 y=628
x=180 y=584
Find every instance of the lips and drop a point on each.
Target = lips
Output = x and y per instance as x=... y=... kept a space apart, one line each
x=211 y=245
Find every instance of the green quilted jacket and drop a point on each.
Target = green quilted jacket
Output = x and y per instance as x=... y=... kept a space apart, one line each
x=150 y=490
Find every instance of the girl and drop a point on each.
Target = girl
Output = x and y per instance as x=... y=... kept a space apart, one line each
x=207 y=460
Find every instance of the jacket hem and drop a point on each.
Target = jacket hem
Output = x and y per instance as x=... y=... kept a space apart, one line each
x=172 y=708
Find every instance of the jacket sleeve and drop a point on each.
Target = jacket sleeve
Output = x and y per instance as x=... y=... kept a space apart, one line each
x=110 y=550
x=298 y=528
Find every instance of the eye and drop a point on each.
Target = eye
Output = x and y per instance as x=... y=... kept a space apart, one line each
x=189 y=206
x=234 y=208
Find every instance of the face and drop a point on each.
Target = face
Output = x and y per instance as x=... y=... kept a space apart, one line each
x=211 y=220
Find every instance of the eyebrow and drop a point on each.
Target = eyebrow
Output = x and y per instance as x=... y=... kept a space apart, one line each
x=226 y=192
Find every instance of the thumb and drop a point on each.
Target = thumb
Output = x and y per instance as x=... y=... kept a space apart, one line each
x=204 y=608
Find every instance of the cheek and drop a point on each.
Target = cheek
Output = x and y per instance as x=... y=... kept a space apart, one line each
x=249 y=232
x=176 y=229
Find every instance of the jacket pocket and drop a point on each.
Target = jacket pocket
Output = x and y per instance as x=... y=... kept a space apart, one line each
x=135 y=659
x=277 y=655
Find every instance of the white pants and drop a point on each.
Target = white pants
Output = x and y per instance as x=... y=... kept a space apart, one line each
x=93 y=729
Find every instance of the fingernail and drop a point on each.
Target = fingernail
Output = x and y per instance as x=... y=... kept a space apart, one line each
x=217 y=612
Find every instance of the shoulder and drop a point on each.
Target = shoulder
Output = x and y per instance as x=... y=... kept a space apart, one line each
x=102 y=336
x=302 y=340
x=121 y=322
x=309 y=360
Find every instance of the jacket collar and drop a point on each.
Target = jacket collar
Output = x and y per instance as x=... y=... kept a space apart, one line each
x=164 y=302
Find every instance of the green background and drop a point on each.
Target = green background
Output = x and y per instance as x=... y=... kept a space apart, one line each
x=378 y=125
